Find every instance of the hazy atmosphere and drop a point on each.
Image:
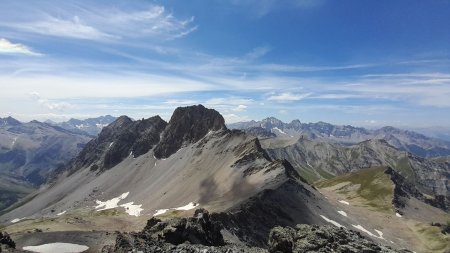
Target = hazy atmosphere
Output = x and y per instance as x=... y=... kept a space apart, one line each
x=369 y=63
x=225 y=126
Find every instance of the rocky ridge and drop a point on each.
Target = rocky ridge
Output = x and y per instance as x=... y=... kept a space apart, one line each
x=122 y=138
x=188 y=125
x=317 y=160
x=405 y=140
x=204 y=233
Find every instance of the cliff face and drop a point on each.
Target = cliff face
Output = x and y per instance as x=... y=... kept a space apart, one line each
x=188 y=125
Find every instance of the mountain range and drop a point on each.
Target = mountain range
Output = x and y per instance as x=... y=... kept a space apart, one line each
x=90 y=126
x=405 y=140
x=192 y=184
x=30 y=153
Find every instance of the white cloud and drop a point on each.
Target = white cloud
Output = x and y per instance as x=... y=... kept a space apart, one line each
x=47 y=104
x=240 y=108
x=288 y=96
x=100 y=23
x=73 y=28
x=180 y=102
x=7 y=47
x=233 y=118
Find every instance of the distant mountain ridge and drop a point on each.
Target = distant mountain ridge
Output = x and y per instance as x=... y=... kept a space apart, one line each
x=30 y=153
x=90 y=126
x=406 y=140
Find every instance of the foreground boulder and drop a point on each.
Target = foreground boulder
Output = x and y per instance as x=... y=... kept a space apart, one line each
x=313 y=238
x=204 y=233
x=6 y=243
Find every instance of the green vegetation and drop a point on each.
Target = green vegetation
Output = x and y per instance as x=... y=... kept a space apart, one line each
x=404 y=169
x=108 y=212
x=308 y=175
x=372 y=186
x=432 y=238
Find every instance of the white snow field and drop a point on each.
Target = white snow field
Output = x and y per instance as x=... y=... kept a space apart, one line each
x=332 y=222
x=189 y=206
x=344 y=202
x=342 y=213
x=59 y=247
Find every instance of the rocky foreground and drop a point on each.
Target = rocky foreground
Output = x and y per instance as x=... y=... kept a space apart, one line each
x=203 y=233
x=6 y=243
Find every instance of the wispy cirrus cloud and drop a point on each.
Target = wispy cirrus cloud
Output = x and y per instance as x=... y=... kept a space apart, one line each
x=288 y=96
x=260 y=8
x=101 y=23
x=7 y=47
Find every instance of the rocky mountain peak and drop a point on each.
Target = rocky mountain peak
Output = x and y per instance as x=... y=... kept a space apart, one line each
x=9 y=121
x=188 y=125
x=122 y=138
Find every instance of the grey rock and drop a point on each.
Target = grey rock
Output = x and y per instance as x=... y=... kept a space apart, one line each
x=188 y=125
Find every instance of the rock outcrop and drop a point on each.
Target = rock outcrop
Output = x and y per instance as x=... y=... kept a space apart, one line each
x=6 y=243
x=313 y=238
x=188 y=125
x=203 y=233
x=120 y=139
x=260 y=132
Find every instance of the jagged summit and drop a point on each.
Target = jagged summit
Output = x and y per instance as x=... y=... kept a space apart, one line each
x=9 y=121
x=188 y=124
x=120 y=139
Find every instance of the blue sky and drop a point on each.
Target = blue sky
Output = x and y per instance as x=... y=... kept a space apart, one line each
x=366 y=63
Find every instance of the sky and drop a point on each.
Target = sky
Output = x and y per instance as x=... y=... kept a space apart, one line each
x=358 y=62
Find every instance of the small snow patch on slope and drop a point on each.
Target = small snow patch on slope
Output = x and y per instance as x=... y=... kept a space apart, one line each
x=332 y=222
x=132 y=209
x=13 y=142
x=380 y=234
x=398 y=215
x=17 y=220
x=368 y=232
x=160 y=211
x=279 y=130
x=189 y=206
x=57 y=247
x=342 y=213
x=111 y=144
x=61 y=213
x=344 y=202
x=110 y=204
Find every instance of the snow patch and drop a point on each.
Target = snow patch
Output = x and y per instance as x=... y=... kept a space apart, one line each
x=61 y=213
x=398 y=215
x=189 y=206
x=342 y=213
x=132 y=209
x=17 y=220
x=60 y=247
x=344 y=202
x=364 y=230
x=160 y=211
x=368 y=232
x=110 y=204
x=332 y=222
x=111 y=144
x=279 y=130
x=308 y=164
x=100 y=125
x=380 y=234
x=13 y=142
